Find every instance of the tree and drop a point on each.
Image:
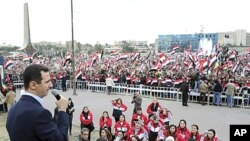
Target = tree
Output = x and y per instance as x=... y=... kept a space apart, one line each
x=127 y=47
x=98 y=47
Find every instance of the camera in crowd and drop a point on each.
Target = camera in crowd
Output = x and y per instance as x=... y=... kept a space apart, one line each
x=134 y=97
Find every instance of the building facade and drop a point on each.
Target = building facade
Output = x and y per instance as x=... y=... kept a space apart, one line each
x=234 y=38
x=248 y=39
x=165 y=42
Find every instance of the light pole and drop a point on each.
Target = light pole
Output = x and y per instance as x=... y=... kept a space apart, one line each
x=73 y=50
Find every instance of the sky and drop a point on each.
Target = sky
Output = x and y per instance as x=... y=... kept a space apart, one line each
x=106 y=21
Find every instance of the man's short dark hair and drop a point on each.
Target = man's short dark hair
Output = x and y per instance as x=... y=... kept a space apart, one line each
x=33 y=73
x=84 y=130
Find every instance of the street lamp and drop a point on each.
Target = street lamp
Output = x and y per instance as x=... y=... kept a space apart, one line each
x=73 y=50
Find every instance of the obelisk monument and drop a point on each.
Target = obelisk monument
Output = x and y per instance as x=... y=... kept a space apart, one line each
x=27 y=46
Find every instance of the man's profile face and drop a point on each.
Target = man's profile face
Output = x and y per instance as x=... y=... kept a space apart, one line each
x=43 y=88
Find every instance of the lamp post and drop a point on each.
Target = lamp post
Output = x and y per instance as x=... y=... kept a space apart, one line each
x=73 y=50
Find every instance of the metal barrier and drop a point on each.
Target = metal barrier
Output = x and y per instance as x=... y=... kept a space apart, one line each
x=18 y=84
x=169 y=93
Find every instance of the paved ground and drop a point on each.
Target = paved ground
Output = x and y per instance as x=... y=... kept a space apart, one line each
x=218 y=118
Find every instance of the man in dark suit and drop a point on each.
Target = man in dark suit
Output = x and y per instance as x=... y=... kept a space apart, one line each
x=185 y=90
x=27 y=119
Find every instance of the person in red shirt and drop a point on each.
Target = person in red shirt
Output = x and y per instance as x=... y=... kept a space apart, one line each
x=165 y=115
x=138 y=130
x=182 y=132
x=162 y=134
x=194 y=135
x=139 y=116
x=86 y=119
x=172 y=131
x=210 y=136
x=105 y=122
x=153 y=108
x=154 y=126
x=118 y=108
x=122 y=125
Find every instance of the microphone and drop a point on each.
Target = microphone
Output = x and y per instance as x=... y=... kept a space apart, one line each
x=56 y=94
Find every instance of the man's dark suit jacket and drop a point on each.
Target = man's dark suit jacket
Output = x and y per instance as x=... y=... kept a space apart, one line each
x=29 y=121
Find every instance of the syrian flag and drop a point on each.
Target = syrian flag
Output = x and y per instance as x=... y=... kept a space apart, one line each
x=178 y=81
x=93 y=60
x=235 y=66
x=136 y=56
x=162 y=56
x=155 y=80
x=203 y=64
x=123 y=56
x=190 y=65
x=213 y=61
x=78 y=73
x=172 y=52
x=67 y=59
x=100 y=55
x=115 y=52
x=175 y=47
x=232 y=54
x=148 y=55
x=191 y=57
x=156 y=66
x=148 y=80
x=168 y=80
x=8 y=64
x=165 y=62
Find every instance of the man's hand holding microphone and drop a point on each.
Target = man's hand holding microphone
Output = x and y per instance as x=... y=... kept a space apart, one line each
x=62 y=102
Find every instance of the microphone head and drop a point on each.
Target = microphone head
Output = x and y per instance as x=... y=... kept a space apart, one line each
x=55 y=92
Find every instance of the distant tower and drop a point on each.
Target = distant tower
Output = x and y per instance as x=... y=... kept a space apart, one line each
x=27 y=48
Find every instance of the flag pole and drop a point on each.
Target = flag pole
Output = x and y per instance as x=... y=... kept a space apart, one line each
x=73 y=50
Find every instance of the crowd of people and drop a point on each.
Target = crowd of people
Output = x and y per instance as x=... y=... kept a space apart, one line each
x=155 y=125
x=228 y=72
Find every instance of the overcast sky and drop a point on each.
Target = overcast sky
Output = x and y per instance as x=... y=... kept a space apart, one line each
x=107 y=21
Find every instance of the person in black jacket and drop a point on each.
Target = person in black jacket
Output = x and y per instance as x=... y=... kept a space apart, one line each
x=70 y=110
x=217 y=92
x=64 y=83
x=185 y=90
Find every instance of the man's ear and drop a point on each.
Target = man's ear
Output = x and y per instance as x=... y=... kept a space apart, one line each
x=32 y=85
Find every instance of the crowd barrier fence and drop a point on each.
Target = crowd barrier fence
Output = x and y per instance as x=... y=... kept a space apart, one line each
x=168 y=93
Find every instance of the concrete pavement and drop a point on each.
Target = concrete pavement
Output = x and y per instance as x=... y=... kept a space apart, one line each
x=206 y=117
